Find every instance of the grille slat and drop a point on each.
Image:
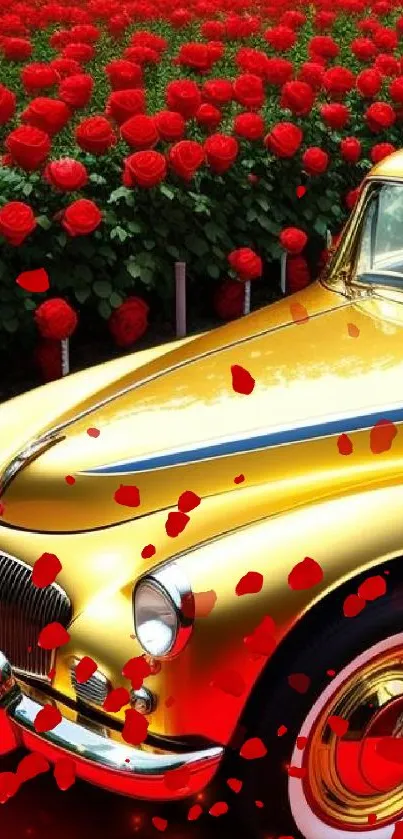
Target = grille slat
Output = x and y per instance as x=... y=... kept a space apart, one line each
x=94 y=690
x=24 y=611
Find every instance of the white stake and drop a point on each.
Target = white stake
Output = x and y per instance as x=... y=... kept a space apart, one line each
x=328 y=239
x=180 y=283
x=65 y=357
x=246 y=300
x=283 y=276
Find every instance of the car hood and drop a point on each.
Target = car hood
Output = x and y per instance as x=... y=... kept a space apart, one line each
x=176 y=423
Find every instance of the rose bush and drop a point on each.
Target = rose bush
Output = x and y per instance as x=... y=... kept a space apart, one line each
x=134 y=136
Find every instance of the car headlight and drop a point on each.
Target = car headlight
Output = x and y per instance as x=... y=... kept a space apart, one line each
x=163 y=607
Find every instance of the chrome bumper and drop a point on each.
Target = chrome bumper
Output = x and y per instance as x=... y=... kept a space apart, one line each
x=100 y=760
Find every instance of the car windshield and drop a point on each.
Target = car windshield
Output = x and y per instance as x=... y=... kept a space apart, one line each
x=380 y=256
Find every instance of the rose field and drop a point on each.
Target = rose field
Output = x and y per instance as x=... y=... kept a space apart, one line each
x=137 y=134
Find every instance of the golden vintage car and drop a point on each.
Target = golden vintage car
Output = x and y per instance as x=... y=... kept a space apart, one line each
x=234 y=532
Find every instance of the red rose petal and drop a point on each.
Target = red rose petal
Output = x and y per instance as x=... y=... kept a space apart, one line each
x=372 y=818
x=47 y=718
x=194 y=813
x=259 y=804
x=353 y=330
x=239 y=479
x=52 y=636
x=253 y=748
x=135 y=727
x=235 y=784
x=372 y=588
x=136 y=669
x=344 y=444
x=299 y=682
x=398 y=831
x=188 y=501
x=353 y=605
x=381 y=436
x=93 y=432
x=219 y=809
x=305 y=575
x=177 y=778
x=262 y=640
x=250 y=583
x=65 y=773
x=30 y=766
x=338 y=725
x=299 y=313
x=9 y=785
x=170 y=701
x=148 y=551
x=301 y=742
x=204 y=602
x=282 y=730
x=242 y=381
x=128 y=496
x=116 y=699
x=296 y=771
x=300 y=191
x=36 y=280
x=230 y=681
x=45 y=570
x=70 y=480
x=84 y=669
x=176 y=523
x=159 y=824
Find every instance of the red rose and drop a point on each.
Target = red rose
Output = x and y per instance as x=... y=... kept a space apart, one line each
x=315 y=161
x=145 y=169
x=185 y=158
x=170 y=125
x=298 y=97
x=81 y=217
x=183 y=96
x=298 y=275
x=7 y=104
x=228 y=300
x=246 y=263
x=293 y=240
x=129 y=321
x=218 y=92
x=117 y=25
x=396 y=90
x=16 y=49
x=55 y=319
x=369 y=83
x=149 y=39
x=65 y=67
x=123 y=75
x=221 y=152
x=79 y=52
x=380 y=151
x=293 y=19
x=17 y=221
x=352 y=197
x=323 y=46
x=66 y=174
x=249 y=91
x=85 y=33
x=141 y=55
x=278 y=71
x=208 y=116
x=29 y=147
x=180 y=18
x=387 y=65
x=123 y=104
x=364 y=49
x=386 y=39
x=48 y=358
x=37 y=77
x=280 y=38
x=312 y=73
x=195 y=56
x=338 y=81
x=212 y=30
x=284 y=139
x=250 y=126
x=95 y=135
x=380 y=116
x=324 y=20
x=335 y=116
x=253 y=61
x=350 y=149
x=76 y=91
x=50 y=115
x=140 y=132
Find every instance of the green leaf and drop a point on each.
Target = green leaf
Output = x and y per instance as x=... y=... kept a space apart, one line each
x=97 y=179
x=104 y=309
x=173 y=251
x=134 y=227
x=44 y=222
x=29 y=304
x=212 y=231
x=320 y=226
x=11 y=325
x=82 y=294
x=122 y=192
x=149 y=244
x=213 y=271
x=147 y=276
x=83 y=273
x=133 y=268
x=165 y=190
x=115 y=300
x=102 y=288
x=27 y=189
x=269 y=225
x=119 y=233
x=196 y=245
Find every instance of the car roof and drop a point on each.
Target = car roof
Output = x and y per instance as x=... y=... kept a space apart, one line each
x=390 y=167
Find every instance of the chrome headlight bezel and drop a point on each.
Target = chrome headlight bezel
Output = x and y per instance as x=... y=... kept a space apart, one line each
x=169 y=583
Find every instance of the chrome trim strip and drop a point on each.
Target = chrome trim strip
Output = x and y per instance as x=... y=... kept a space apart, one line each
x=88 y=745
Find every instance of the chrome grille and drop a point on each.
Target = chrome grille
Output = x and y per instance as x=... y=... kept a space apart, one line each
x=94 y=691
x=25 y=610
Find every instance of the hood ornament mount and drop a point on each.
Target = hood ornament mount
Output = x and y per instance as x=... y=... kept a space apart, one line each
x=27 y=455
